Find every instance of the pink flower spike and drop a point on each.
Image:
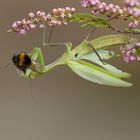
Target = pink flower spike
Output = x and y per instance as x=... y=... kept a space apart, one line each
x=41 y=19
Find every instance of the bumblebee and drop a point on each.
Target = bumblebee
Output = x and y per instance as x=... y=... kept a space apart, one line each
x=23 y=62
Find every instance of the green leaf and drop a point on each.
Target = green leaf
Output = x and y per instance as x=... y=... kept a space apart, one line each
x=89 y=20
x=96 y=74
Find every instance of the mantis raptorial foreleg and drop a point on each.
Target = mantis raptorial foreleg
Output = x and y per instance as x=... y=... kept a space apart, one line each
x=38 y=65
x=37 y=55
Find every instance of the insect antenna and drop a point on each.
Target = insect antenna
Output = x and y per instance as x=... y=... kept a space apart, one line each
x=5 y=66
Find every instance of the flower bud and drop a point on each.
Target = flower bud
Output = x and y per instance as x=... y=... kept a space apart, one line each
x=31 y=15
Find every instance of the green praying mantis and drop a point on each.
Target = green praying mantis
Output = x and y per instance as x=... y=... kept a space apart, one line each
x=80 y=60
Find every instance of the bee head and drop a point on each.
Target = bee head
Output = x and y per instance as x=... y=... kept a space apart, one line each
x=15 y=58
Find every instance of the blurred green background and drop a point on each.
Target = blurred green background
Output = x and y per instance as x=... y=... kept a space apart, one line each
x=64 y=107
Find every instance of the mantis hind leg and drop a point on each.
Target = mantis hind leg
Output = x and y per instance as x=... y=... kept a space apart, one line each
x=87 y=37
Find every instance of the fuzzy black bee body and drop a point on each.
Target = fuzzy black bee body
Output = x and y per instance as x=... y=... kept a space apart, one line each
x=22 y=61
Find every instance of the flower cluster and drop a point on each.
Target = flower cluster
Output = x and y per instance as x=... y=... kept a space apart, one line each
x=132 y=3
x=130 y=54
x=102 y=7
x=40 y=19
x=131 y=7
x=129 y=11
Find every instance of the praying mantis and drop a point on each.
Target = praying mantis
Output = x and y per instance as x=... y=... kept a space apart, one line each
x=75 y=58
x=36 y=65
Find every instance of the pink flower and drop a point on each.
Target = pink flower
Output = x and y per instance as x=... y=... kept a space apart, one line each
x=55 y=11
x=73 y=9
x=22 y=32
x=31 y=15
x=133 y=24
x=58 y=17
x=38 y=13
x=15 y=25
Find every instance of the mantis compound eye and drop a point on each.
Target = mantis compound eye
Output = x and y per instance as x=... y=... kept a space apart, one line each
x=22 y=61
